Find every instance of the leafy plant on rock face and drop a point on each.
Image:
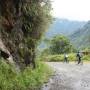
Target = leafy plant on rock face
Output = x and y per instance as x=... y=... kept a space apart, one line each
x=23 y=24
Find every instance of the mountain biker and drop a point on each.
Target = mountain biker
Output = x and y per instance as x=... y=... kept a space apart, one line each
x=66 y=58
x=79 y=56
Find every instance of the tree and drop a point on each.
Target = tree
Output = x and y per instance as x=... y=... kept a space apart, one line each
x=22 y=24
x=60 y=44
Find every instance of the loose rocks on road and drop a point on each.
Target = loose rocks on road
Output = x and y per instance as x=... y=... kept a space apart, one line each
x=69 y=77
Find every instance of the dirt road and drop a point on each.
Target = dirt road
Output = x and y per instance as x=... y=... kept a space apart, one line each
x=69 y=77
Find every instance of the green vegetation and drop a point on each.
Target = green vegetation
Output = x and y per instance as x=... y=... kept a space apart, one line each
x=26 y=80
x=81 y=38
x=59 y=44
x=60 y=57
x=22 y=25
x=86 y=58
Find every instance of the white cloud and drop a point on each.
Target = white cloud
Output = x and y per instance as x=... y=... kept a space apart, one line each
x=72 y=9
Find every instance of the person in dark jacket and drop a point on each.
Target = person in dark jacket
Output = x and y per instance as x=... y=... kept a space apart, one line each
x=79 y=56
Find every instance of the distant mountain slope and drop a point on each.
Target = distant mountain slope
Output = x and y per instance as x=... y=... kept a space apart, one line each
x=63 y=26
x=81 y=38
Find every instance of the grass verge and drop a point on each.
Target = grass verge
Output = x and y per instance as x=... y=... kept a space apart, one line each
x=60 y=57
x=26 y=80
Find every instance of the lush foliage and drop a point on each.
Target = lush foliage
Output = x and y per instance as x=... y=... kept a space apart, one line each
x=22 y=24
x=26 y=80
x=60 y=44
x=60 y=57
x=86 y=57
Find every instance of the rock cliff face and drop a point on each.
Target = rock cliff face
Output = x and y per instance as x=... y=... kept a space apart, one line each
x=3 y=48
x=12 y=42
x=22 y=23
x=4 y=53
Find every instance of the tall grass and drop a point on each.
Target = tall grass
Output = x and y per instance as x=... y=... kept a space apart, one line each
x=26 y=80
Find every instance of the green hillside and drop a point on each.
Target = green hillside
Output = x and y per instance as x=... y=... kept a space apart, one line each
x=64 y=27
x=81 y=38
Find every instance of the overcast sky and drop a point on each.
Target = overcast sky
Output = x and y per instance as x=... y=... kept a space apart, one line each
x=72 y=9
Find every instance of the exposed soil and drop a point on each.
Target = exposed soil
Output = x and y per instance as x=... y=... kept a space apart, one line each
x=69 y=77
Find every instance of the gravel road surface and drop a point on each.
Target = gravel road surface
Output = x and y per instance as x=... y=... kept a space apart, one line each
x=68 y=77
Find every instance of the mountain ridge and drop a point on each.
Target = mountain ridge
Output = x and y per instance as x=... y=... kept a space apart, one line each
x=81 y=38
x=64 y=27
